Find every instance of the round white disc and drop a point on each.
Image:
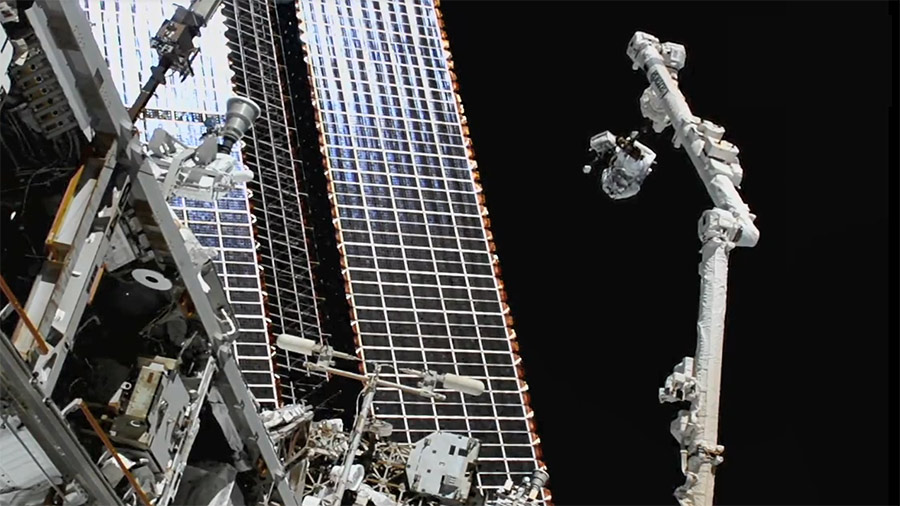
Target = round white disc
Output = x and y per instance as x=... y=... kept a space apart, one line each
x=151 y=279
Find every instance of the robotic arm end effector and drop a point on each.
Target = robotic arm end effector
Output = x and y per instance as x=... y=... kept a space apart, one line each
x=643 y=47
x=640 y=41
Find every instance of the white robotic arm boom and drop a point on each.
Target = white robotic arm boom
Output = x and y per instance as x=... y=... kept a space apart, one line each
x=625 y=163
x=715 y=159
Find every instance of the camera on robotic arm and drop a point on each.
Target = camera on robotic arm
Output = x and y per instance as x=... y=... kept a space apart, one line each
x=620 y=163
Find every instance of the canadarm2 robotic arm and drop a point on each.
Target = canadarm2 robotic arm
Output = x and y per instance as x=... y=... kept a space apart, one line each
x=623 y=163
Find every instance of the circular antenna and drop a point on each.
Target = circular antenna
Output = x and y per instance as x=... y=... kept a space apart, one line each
x=151 y=279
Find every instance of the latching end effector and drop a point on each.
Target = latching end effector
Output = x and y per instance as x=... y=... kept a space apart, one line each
x=645 y=49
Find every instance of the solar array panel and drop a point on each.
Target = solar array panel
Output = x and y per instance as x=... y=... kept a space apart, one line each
x=123 y=29
x=418 y=259
x=277 y=193
x=419 y=263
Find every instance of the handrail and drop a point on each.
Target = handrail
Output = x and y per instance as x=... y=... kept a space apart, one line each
x=38 y=338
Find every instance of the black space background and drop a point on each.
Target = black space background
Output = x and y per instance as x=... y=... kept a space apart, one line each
x=605 y=294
